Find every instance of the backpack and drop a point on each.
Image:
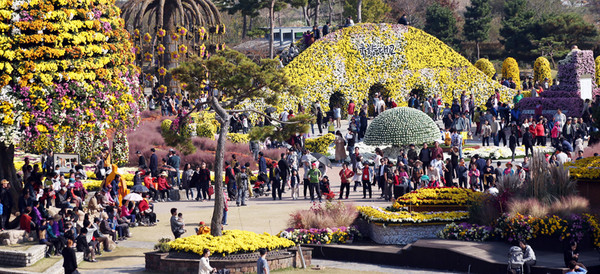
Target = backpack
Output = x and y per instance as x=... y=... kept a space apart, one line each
x=515 y=256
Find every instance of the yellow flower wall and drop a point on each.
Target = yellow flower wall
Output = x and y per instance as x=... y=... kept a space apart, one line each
x=401 y=58
x=510 y=69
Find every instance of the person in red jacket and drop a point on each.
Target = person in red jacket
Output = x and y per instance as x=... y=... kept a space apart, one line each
x=163 y=186
x=540 y=132
x=346 y=176
x=152 y=185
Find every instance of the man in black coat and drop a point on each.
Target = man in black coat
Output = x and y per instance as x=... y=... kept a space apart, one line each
x=425 y=156
x=284 y=171
x=154 y=163
x=141 y=160
x=84 y=246
x=412 y=155
x=70 y=260
x=326 y=28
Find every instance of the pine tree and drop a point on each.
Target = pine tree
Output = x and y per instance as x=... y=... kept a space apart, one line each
x=516 y=27
x=477 y=21
x=441 y=23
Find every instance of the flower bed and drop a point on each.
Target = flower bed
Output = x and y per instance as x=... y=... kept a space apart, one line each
x=466 y=232
x=380 y=215
x=519 y=227
x=319 y=144
x=494 y=152
x=338 y=235
x=231 y=242
x=586 y=168
x=437 y=196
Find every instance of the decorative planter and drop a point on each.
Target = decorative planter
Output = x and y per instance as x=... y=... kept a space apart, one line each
x=402 y=234
x=430 y=208
x=183 y=263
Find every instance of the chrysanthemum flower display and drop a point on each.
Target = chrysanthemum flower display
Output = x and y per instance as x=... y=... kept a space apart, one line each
x=65 y=66
x=148 y=56
x=181 y=31
x=162 y=89
x=401 y=58
x=174 y=55
x=541 y=70
x=147 y=37
x=486 y=67
x=402 y=126
x=182 y=49
x=510 y=69
x=232 y=242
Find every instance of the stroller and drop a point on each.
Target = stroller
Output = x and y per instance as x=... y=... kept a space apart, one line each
x=259 y=186
x=515 y=260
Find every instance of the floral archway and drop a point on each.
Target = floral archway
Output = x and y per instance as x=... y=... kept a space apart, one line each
x=401 y=58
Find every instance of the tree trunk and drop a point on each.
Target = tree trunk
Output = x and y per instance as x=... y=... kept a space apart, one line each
x=7 y=169
x=305 y=15
x=271 y=28
x=477 y=45
x=244 y=26
x=330 y=2
x=216 y=227
x=359 y=11
x=317 y=7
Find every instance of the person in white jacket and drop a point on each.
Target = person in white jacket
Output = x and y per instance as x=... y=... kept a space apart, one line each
x=205 y=267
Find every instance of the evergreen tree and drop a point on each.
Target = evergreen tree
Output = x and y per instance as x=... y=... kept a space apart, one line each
x=477 y=22
x=441 y=23
x=516 y=28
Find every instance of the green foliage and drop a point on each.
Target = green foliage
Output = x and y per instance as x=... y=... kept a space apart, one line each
x=163 y=245
x=373 y=11
x=555 y=34
x=516 y=27
x=297 y=124
x=319 y=144
x=477 y=20
x=236 y=76
x=257 y=33
x=441 y=23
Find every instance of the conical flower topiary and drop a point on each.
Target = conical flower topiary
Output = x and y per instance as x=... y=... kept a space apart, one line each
x=401 y=126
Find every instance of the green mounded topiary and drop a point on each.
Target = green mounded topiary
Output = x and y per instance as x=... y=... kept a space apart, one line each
x=401 y=126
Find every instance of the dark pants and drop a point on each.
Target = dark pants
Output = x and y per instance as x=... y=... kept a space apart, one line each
x=306 y=186
x=462 y=181
x=177 y=234
x=276 y=189
x=503 y=138
x=367 y=186
x=381 y=184
x=485 y=140
x=164 y=193
x=314 y=188
x=231 y=190
x=347 y=187
x=527 y=149
x=356 y=185
x=527 y=266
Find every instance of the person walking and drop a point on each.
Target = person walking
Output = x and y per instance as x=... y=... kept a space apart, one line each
x=70 y=260
x=345 y=176
x=176 y=224
x=241 y=180
x=314 y=176
x=275 y=181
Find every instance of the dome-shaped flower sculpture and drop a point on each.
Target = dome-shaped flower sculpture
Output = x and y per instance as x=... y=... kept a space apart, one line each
x=541 y=70
x=400 y=58
x=486 y=67
x=401 y=126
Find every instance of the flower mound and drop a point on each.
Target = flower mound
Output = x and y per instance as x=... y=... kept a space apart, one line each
x=66 y=72
x=402 y=126
x=586 y=168
x=438 y=196
x=541 y=70
x=378 y=214
x=510 y=69
x=486 y=67
x=401 y=58
x=232 y=242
